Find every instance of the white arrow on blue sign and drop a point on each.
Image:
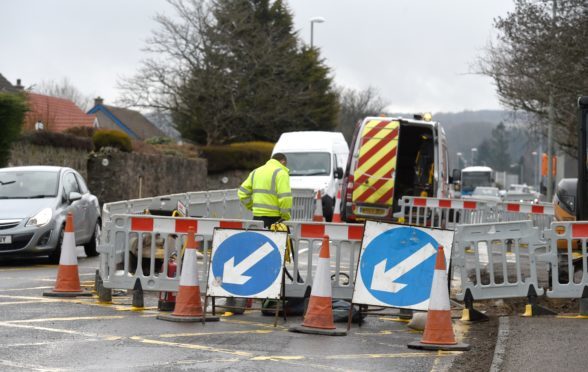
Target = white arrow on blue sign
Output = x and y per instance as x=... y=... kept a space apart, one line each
x=246 y=263
x=397 y=264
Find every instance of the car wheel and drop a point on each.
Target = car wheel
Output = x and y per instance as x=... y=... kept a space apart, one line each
x=56 y=254
x=90 y=247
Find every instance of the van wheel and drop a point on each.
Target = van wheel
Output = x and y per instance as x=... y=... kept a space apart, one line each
x=328 y=208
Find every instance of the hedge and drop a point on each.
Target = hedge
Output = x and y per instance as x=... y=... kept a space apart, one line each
x=44 y=138
x=236 y=156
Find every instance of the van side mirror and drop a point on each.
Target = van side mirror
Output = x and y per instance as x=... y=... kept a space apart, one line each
x=339 y=173
x=456 y=176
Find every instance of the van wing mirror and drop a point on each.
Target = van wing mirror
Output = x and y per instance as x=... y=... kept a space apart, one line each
x=339 y=173
x=456 y=175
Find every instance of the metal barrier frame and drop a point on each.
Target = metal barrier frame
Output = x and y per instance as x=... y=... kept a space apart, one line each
x=115 y=248
x=209 y=204
x=514 y=234
x=573 y=234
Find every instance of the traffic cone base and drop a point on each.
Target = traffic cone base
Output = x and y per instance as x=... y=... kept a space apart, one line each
x=438 y=333
x=440 y=330
x=188 y=302
x=318 y=331
x=319 y=314
x=187 y=319
x=422 y=346
x=188 y=307
x=67 y=283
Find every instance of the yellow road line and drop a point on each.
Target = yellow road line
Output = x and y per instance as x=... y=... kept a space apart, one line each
x=191 y=346
x=66 y=331
x=277 y=358
x=29 y=268
x=22 y=302
x=259 y=324
x=253 y=331
x=23 y=289
x=394 y=319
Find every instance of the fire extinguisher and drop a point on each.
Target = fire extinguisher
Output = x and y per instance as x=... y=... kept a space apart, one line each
x=167 y=300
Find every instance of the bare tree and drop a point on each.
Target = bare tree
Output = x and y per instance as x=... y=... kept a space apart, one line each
x=541 y=55
x=64 y=89
x=354 y=106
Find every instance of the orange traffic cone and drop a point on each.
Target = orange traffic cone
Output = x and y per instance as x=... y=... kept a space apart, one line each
x=319 y=314
x=67 y=283
x=438 y=329
x=337 y=211
x=188 y=306
x=318 y=208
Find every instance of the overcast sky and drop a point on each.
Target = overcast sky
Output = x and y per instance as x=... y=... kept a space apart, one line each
x=418 y=54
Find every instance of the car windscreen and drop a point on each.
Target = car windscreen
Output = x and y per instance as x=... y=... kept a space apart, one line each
x=28 y=184
x=309 y=163
x=471 y=180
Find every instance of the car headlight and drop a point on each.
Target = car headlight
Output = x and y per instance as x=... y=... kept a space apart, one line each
x=40 y=219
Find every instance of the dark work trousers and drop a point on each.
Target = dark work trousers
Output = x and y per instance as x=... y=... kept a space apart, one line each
x=267 y=221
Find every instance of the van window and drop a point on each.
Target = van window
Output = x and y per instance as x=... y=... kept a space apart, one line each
x=309 y=163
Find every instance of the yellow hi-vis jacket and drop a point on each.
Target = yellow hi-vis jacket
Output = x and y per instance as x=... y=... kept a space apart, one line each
x=266 y=191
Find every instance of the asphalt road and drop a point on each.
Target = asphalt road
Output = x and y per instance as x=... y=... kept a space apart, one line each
x=40 y=333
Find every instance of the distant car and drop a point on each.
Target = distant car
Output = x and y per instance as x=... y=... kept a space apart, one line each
x=520 y=193
x=34 y=202
x=486 y=193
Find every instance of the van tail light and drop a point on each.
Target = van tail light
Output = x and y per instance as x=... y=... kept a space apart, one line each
x=349 y=193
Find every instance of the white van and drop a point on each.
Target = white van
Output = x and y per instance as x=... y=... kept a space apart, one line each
x=316 y=161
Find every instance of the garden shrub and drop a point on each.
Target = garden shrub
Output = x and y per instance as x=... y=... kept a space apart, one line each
x=112 y=138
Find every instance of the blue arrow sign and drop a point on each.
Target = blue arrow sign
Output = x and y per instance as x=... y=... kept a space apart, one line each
x=247 y=263
x=397 y=266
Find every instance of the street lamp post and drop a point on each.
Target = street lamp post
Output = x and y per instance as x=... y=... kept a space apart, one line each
x=474 y=151
x=535 y=169
x=312 y=22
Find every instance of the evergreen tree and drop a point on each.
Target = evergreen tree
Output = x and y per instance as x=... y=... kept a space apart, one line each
x=499 y=144
x=244 y=75
x=12 y=111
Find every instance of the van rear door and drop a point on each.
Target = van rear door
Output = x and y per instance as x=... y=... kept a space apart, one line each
x=376 y=168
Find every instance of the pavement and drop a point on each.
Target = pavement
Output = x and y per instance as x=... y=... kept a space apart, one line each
x=549 y=343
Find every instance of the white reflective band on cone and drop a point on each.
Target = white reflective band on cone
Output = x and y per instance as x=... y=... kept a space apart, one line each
x=322 y=279
x=439 y=296
x=189 y=275
x=68 y=250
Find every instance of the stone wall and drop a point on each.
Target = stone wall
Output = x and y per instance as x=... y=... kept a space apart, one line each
x=227 y=180
x=115 y=176
x=122 y=176
x=27 y=154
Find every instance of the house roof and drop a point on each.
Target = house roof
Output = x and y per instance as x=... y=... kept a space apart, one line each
x=5 y=86
x=129 y=121
x=57 y=114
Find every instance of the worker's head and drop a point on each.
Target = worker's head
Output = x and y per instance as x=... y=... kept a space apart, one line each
x=281 y=158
